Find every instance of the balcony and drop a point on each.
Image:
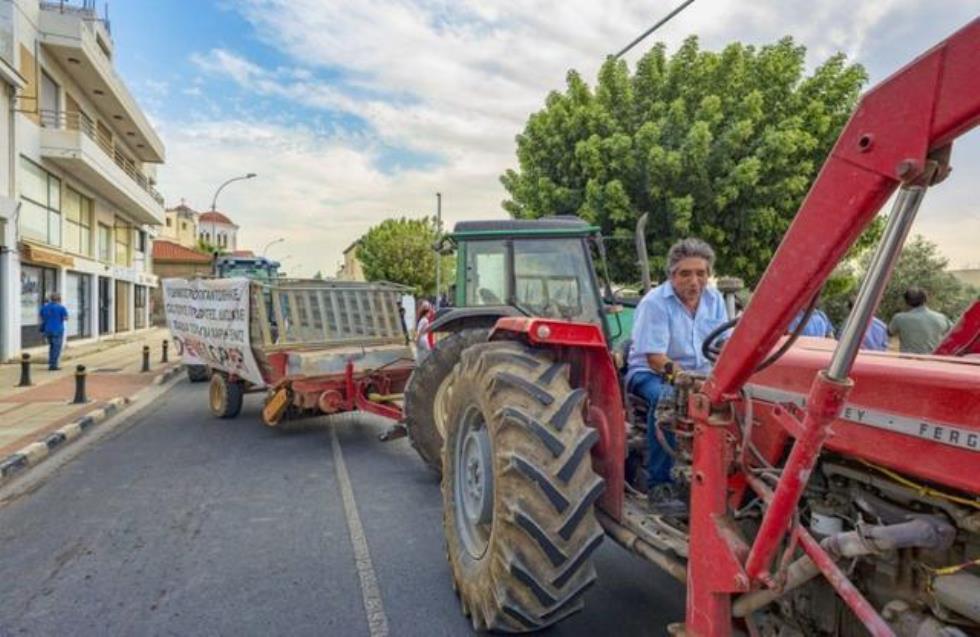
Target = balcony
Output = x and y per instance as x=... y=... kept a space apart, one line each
x=80 y=42
x=72 y=141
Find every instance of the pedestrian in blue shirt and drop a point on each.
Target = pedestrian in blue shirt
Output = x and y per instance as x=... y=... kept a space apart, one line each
x=669 y=327
x=818 y=325
x=876 y=338
x=53 y=317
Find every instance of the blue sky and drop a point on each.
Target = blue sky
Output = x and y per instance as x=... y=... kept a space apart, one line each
x=352 y=111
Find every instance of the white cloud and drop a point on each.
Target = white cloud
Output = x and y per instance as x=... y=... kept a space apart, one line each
x=458 y=79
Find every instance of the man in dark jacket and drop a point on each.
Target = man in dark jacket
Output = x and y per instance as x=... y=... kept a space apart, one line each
x=53 y=317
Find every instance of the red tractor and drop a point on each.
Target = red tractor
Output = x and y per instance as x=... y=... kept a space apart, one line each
x=831 y=492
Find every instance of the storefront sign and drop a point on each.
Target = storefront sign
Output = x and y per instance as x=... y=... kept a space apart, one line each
x=34 y=254
x=209 y=323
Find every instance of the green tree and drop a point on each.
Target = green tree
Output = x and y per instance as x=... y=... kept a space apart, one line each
x=718 y=145
x=401 y=251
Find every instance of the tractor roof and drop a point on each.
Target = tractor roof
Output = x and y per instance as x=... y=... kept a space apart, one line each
x=564 y=225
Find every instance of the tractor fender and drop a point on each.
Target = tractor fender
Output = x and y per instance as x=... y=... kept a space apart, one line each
x=460 y=318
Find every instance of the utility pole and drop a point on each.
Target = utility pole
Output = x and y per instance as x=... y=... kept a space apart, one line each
x=437 y=246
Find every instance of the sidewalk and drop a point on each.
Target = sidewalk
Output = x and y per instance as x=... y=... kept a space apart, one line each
x=29 y=414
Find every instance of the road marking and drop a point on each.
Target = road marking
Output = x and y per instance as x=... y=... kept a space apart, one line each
x=370 y=591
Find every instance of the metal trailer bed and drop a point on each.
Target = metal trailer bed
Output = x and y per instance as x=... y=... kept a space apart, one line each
x=322 y=347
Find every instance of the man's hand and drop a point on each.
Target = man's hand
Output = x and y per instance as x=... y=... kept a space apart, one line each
x=658 y=363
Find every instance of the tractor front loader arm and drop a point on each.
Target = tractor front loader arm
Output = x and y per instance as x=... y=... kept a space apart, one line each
x=899 y=137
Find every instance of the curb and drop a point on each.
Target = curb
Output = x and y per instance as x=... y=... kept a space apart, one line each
x=35 y=452
x=160 y=379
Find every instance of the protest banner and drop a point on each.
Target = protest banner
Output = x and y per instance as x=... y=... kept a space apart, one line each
x=208 y=319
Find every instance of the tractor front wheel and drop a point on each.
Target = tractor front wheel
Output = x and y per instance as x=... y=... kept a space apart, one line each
x=225 y=396
x=518 y=489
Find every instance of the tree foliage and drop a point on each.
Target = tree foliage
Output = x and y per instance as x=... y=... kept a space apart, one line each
x=718 y=145
x=401 y=251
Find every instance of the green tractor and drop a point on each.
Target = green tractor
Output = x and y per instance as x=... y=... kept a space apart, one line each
x=511 y=268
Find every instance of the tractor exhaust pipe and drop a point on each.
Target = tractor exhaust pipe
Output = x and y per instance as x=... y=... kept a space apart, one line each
x=642 y=258
x=927 y=532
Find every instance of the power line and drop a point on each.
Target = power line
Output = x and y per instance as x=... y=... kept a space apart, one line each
x=659 y=24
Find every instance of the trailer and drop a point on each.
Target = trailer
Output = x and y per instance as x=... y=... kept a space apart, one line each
x=312 y=347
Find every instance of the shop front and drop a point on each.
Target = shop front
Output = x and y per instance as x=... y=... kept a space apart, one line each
x=139 y=304
x=39 y=270
x=78 y=302
x=123 y=290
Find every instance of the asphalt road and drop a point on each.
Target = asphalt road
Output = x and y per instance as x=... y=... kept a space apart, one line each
x=180 y=524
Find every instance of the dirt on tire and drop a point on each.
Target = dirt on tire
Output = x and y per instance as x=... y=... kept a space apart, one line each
x=423 y=387
x=537 y=560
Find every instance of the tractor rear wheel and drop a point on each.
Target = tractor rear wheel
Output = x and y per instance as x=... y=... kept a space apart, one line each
x=518 y=489
x=225 y=396
x=424 y=418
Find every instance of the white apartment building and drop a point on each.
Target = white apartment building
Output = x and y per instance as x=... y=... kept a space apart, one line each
x=77 y=171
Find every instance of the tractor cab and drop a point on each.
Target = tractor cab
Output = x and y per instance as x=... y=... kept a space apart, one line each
x=542 y=267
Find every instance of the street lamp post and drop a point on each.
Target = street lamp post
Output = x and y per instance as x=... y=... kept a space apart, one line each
x=271 y=243
x=214 y=200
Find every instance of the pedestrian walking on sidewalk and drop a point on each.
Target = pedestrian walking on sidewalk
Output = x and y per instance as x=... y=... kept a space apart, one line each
x=53 y=317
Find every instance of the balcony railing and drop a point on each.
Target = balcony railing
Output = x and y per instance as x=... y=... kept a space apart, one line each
x=86 y=10
x=78 y=121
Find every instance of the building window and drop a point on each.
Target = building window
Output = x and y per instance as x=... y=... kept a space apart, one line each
x=40 y=214
x=105 y=243
x=50 y=101
x=124 y=241
x=77 y=210
x=169 y=222
x=183 y=225
x=140 y=241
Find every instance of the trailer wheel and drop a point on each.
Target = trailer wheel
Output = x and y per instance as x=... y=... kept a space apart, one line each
x=197 y=373
x=518 y=489
x=424 y=418
x=225 y=396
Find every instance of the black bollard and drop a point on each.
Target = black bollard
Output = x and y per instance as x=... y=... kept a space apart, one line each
x=25 y=370
x=166 y=344
x=80 y=386
x=146 y=358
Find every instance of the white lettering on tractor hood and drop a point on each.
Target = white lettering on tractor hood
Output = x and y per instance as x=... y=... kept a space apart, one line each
x=925 y=429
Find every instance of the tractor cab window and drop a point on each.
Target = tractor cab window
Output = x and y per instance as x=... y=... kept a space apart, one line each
x=486 y=273
x=552 y=278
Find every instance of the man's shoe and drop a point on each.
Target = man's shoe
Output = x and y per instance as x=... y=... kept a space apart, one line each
x=54 y=369
x=667 y=500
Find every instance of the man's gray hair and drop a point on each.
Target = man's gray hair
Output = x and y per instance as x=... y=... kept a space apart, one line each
x=686 y=248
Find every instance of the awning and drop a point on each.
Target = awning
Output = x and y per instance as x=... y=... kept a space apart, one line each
x=42 y=256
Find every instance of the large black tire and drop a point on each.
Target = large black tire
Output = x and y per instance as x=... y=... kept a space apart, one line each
x=225 y=397
x=527 y=566
x=421 y=414
x=197 y=373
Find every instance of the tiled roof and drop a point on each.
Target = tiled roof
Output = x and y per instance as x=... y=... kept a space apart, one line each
x=164 y=250
x=214 y=216
x=242 y=253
